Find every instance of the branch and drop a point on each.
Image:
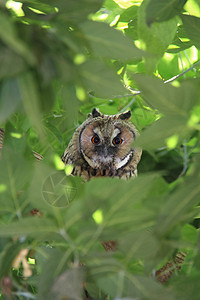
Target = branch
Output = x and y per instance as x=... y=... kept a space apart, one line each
x=137 y=92
x=128 y=105
x=183 y=73
x=185 y=161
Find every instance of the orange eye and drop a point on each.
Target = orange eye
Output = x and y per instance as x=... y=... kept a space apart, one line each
x=117 y=141
x=95 y=139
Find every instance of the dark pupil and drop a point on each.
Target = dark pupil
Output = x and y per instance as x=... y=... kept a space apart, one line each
x=117 y=141
x=95 y=140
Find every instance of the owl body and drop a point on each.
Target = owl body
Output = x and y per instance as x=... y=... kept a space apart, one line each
x=102 y=146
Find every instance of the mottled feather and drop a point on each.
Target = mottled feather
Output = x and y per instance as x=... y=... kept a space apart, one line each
x=103 y=146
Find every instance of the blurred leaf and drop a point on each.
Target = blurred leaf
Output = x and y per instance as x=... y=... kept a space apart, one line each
x=191 y=25
x=189 y=234
x=124 y=3
x=10 y=98
x=179 y=46
x=30 y=97
x=70 y=102
x=56 y=266
x=41 y=173
x=102 y=80
x=39 y=6
x=166 y=98
x=138 y=244
x=153 y=36
x=9 y=36
x=129 y=14
x=161 y=10
x=54 y=131
x=122 y=210
x=29 y=226
x=186 y=286
x=11 y=63
x=156 y=135
x=7 y=257
x=68 y=284
x=110 y=43
x=15 y=173
x=75 y=11
x=133 y=287
x=175 y=209
x=111 y=283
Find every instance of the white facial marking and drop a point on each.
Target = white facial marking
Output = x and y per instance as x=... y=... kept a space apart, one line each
x=96 y=160
x=115 y=133
x=89 y=161
x=120 y=163
x=97 y=131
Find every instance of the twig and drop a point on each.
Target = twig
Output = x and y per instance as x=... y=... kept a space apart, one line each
x=171 y=79
x=27 y=295
x=184 y=72
x=124 y=96
x=128 y=105
x=187 y=57
x=185 y=161
x=181 y=62
x=134 y=92
x=137 y=92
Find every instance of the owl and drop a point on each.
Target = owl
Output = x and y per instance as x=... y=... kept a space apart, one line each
x=103 y=146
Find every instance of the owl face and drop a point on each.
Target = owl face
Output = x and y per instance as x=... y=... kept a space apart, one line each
x=103 y=146
x=106 y=143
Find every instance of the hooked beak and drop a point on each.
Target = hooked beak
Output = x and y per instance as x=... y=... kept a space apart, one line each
x=105 y=151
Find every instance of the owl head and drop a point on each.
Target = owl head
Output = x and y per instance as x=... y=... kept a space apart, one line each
x=103 y=146
x=105 y=141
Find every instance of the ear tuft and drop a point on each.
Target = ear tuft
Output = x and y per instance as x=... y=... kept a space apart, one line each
x=125 y=116
x=96 y=113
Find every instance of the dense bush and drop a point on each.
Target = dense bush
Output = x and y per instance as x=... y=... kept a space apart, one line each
x=59 y=59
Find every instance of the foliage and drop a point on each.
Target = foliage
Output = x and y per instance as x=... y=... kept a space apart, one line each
x=59 y=59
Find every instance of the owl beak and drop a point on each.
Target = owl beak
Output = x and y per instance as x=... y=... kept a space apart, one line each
x=105 y=151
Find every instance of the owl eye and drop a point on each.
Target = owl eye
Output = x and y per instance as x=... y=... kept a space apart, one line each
x=95 y=139
x=117 y=141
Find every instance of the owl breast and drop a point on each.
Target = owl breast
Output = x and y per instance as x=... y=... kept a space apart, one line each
x=102 y=146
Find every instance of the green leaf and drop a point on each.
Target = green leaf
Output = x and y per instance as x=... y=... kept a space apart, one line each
x=7 y=257
x=70 y=102
x=68 y=284
x=10 y=98
x=189 y=235
x=39 y=6
x=15 y=174
x=31 y=99
x=155 y=136
x=57 y=278
x=54 y=131
x=191 y=25
x=152 y=36
x=41 y=173
x=128 y=14
x=168 y=99
x=131 y=286
x=102 y=80
x=9 y=35
x=108 y=42
x=29 y=226
x=138 y=244
x=161 y=10
x=75 y=11
x=177 y=205
x=120 y=210
x=11 y=63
